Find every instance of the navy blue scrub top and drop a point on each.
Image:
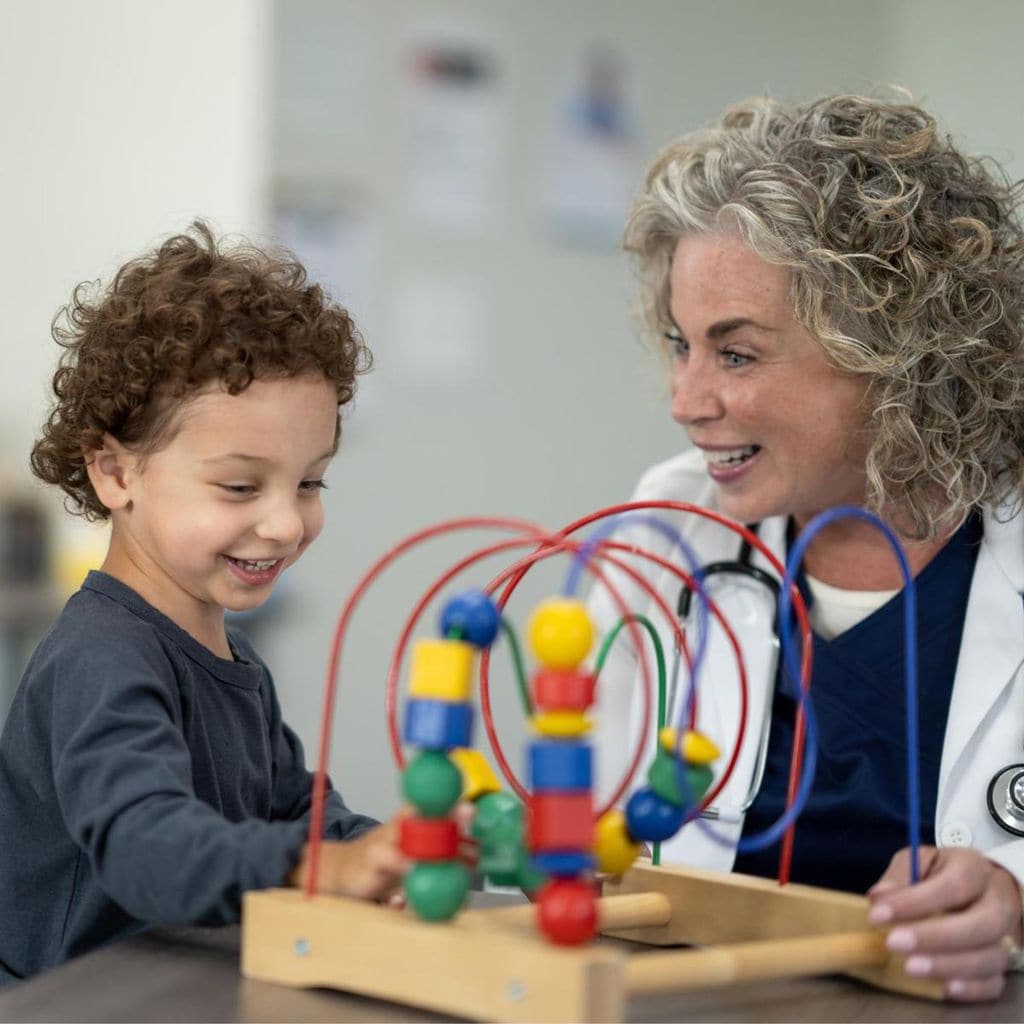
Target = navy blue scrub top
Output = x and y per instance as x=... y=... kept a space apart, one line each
x=856 y=817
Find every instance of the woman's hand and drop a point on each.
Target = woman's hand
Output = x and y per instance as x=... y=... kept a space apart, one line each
x=959 y=924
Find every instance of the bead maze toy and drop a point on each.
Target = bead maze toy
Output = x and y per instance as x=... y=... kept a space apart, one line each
x=540 y=961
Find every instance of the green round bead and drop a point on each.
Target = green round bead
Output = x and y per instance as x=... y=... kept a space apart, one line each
x=436 y=889
x=432 y=784
x=497 y=815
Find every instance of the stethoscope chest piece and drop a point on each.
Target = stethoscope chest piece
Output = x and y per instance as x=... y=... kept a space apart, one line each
x=1006 y=798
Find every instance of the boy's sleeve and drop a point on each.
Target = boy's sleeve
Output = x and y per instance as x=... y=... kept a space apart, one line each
x=122 y=772
x=293 y=784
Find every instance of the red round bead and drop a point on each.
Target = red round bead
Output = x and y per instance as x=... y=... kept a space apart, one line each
x=563 y=689
x=429 y=838
x=567 y=911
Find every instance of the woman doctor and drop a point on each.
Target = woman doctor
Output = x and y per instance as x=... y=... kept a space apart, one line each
x=841 y=295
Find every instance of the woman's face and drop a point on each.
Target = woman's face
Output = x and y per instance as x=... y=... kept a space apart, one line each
x=782 y=431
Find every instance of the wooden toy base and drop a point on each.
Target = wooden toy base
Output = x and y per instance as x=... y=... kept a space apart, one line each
x=492 y=964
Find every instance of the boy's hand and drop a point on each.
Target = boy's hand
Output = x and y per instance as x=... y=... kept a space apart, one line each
x=369 y=867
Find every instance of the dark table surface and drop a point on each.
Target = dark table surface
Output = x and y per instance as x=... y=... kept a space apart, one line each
x=191 y=974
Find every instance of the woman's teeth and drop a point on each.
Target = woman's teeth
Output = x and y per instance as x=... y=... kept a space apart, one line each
x=730 y=456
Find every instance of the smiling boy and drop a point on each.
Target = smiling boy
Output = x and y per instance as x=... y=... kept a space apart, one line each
x=146 y=774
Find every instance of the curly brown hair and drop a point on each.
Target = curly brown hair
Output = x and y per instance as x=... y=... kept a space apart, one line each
x=907 y=264
x=172 y=321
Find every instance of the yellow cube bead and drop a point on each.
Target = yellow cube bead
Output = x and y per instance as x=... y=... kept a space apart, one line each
x=697 y=748
x=442 y=670
x=560 y=633
x=478 y=778
x=614 y=848
x=562 y=724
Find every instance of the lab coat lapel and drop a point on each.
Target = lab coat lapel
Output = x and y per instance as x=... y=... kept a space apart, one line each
x=992 y=644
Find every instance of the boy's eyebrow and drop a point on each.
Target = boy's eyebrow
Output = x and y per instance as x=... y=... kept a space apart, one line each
x=242 y=457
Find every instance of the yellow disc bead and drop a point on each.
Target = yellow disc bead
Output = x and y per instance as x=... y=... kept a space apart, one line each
x=613 y=847
x=697 y=748
x=478 y=778
x=562 y=724
x=560 y=633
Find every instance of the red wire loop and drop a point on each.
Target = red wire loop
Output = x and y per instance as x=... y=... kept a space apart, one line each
x=549 y=544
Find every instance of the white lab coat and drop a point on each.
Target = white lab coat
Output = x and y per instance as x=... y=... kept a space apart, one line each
x=985 y=727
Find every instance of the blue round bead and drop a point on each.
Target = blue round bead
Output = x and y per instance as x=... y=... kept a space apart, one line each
x=650 y=818
x=473 y=615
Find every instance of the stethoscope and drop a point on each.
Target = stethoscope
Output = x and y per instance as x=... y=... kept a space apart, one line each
x=741 y=566
x=1005 y=792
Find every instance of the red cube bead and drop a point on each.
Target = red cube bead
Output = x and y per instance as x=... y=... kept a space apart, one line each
x=561 y=821
x=563 y=689
x=428 y=838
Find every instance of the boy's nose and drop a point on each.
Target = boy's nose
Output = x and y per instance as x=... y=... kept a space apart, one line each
x=282 y=523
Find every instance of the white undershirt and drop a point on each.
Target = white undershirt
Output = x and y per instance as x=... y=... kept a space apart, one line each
x=835 y=611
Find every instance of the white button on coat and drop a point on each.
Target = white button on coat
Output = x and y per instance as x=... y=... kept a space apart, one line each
x=955 y=833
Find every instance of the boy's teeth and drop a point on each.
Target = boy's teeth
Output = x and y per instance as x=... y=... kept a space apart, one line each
x=258 y=566
x=729 y=455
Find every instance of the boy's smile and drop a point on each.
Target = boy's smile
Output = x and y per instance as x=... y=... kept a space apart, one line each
x=210 y=520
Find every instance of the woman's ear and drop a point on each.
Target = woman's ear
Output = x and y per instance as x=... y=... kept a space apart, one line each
x=111 y=470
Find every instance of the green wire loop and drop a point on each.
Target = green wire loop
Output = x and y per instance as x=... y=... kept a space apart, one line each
x=659 y=655
x=520 y=668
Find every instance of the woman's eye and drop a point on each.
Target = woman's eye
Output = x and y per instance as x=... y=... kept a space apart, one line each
x=677 y=343
x=735 y=359
x=313 y=485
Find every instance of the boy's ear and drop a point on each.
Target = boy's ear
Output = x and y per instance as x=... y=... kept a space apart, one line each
x=110 y=470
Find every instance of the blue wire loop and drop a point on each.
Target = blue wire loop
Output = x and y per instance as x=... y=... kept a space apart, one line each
x=909 y=648
x=789 y=649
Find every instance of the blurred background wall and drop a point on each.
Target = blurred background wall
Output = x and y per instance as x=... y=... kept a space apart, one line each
x=457 y=172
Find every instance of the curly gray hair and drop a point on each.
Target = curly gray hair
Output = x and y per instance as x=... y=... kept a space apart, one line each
x=907 y=264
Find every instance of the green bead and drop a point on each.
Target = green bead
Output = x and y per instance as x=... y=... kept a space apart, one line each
x=437 y=889
x=663 y=778
x=529 y=879
x=498 y=816
x=498 y=828
x=432 y=784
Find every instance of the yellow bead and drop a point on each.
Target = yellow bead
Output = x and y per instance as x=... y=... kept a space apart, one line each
x=560 y=633
x=442 y=670
x=614 y=848
x=477 y=776
x=562 y=724
x=697 y=748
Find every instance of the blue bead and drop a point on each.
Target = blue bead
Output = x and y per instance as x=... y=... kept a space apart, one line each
x=473 y=615
x=438 y=724
x=563 y=863
x=560 y=765
x=651 y=819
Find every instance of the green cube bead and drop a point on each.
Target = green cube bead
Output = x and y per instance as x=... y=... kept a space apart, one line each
x=663 y=778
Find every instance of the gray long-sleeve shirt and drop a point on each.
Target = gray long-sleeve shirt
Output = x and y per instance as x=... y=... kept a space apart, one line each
x=143 y=780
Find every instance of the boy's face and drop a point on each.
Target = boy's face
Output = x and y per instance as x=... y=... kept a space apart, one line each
x=217 y=514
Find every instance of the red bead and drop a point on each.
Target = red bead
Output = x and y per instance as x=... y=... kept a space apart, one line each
x=429 y=838
x=567 y=912
x=563 y=690
x=561 y=821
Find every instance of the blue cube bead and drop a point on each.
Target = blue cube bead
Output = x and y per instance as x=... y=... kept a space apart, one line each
x=438 y=724
x=559 y=765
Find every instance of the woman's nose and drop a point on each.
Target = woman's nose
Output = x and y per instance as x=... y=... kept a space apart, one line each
x=695 y=396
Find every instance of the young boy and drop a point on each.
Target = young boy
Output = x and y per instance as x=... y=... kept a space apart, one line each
x=146 y=775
